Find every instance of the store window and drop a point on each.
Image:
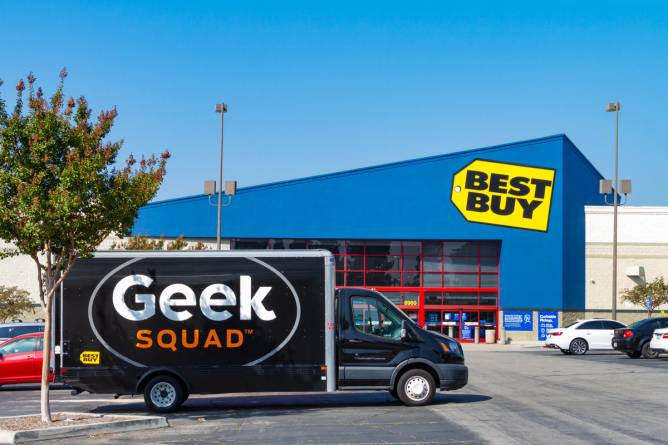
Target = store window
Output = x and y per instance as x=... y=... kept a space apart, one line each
x=450 y=287
x=426 y=264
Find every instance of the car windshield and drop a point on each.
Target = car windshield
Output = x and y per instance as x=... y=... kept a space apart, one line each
x=571 y=324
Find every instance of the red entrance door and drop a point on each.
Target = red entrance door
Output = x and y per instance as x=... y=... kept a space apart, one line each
x=460 y=323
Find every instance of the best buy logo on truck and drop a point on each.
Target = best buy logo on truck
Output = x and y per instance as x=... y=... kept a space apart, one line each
x=504 y=194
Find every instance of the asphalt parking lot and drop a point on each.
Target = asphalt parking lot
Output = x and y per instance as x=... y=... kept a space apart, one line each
x=516 y=395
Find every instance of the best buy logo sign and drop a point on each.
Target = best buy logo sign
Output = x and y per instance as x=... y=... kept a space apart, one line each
x=503 y=194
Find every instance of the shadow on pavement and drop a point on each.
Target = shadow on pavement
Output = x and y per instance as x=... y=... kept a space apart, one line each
x=31 y=387
x=270 y=405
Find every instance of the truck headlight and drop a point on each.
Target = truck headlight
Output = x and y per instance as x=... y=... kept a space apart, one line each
x=450 y=346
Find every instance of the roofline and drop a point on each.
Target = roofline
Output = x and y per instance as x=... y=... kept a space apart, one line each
x=582 y=156
x=627 y=209
x=455 y=154
x=282 y=253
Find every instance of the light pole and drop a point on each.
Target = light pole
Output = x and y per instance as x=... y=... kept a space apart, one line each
x=210 y=185
x=606 y=188
x=222 y=109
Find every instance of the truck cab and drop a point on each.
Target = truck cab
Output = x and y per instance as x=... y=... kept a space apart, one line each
x=380 y=347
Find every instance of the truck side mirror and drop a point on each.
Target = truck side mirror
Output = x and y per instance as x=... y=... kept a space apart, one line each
x=404 y=329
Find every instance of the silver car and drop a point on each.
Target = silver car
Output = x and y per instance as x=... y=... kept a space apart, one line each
x=11 y=330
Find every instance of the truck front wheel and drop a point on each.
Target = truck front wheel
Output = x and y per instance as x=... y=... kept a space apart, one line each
x=416 y=387
x=164 y=394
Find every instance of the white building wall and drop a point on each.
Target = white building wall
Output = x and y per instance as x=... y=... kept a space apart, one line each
x=642 y=246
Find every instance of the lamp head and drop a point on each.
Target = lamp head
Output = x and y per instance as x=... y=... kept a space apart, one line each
x=221 y=108
x=613 y=106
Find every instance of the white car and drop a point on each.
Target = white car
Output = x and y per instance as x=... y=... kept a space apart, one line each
x=583 y=335
x=659 y=341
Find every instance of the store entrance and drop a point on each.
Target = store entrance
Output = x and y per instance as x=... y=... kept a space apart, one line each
x=460 y=323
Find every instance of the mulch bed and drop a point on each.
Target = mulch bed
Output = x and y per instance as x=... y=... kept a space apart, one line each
x=24 y=423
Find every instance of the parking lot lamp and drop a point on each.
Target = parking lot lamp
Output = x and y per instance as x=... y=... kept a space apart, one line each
x=615 y=107
x=222 y=109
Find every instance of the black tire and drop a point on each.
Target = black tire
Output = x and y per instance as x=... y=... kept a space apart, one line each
x=578 y=346
x=416 y=387
x=648 y=352
x=565 y=351
x=164 y=394
x=634 y=354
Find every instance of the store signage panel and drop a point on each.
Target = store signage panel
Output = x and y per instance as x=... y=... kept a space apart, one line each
x=503 y=194
x=518 y=320
x=547 y=320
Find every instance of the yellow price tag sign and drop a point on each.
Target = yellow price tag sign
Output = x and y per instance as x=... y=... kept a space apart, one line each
x=502 y=194
x=90 y=357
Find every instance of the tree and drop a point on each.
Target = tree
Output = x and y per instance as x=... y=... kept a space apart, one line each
x=60 y=192
x=14 y=302
x=657 y=290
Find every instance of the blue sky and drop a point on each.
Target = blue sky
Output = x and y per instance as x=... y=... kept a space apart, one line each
x=315 y=87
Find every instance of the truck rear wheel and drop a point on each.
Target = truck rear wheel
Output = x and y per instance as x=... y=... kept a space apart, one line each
x=164 y=394
x=416 y=387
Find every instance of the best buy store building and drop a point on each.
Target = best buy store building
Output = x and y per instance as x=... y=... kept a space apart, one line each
x=491 y=237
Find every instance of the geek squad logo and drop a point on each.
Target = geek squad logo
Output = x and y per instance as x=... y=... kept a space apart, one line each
x=249 y=312
x=503 y=194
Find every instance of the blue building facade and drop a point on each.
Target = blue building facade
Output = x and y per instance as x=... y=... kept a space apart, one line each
x=389 y=224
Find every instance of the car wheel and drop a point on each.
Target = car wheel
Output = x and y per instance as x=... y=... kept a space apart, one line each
x=648 y=352
x=578 y=346
x=634 y=354
x=565 y=351
x=164 y=394
x=416 y=387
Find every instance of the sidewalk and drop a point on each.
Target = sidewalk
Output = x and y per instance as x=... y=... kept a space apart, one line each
x=501 y=347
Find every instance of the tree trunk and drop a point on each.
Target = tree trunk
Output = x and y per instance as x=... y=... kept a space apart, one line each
x=45 y=409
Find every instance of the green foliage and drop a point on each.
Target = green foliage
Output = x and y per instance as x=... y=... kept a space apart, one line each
x=56 y=185
x=657 y=289
x=60 y=191
x=14 y=302
x=139 y=243
x=178 y=244
x=200 y=246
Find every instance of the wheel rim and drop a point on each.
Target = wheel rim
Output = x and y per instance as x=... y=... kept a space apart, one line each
x=417 y=388
x=650 y=353
x=579 y=347
x=163 y=395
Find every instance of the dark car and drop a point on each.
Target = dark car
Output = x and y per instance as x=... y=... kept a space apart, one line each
x=11 y=330
x=634 y=339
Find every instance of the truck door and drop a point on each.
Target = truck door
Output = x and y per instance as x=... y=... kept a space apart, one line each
x=370 y=344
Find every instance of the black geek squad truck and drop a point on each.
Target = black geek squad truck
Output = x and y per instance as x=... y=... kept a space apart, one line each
x=168 y=324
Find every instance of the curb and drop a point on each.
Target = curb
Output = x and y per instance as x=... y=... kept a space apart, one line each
x=123 y=423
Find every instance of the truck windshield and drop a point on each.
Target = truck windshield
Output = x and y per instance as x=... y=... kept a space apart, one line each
x=373 y=316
